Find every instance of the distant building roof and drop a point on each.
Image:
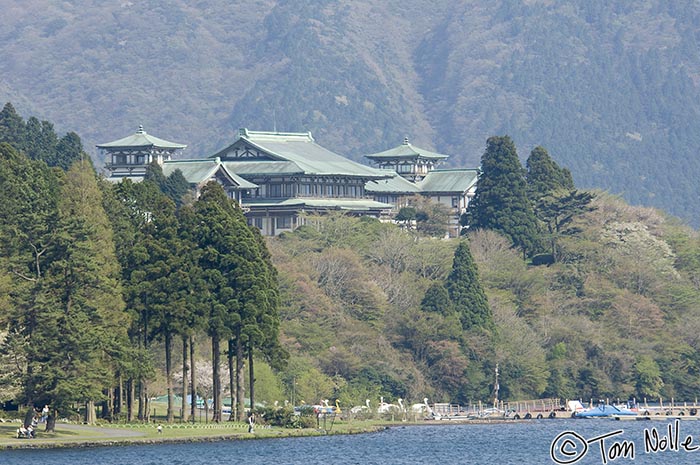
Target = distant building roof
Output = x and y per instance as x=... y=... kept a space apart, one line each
x=141 y=139
x=406 y=151
x=330 y=203
x=199 y=171
x=455 y=180
x=395 y=185
x=291 y=153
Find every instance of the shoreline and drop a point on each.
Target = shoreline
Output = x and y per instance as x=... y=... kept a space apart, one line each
x=119 y=441
x=144 y=434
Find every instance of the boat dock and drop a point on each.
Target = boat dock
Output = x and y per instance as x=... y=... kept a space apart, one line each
x=556 y=408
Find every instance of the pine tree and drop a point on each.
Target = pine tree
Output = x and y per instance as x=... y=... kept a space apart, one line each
x=501 y=202
x=465 y=291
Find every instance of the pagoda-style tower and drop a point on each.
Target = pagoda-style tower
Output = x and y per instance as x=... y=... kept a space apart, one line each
x=410 y=162
x=130 y=156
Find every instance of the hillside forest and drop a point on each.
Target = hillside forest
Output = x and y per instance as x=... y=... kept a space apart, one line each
x=113 y=294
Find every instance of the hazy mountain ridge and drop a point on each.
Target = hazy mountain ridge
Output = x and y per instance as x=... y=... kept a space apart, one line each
x=610 y=90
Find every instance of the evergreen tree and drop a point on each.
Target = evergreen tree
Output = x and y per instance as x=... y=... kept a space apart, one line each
x=219 y=236
x=41 y=141
x=558 y=210
x=501 y=202
x=465 y=291
x=81 y=325
x=12 y=128
x=166 y=283
x=69 y=149
x=262 y=302
x=176 y=187
x=544 y=175
x=437 y=300
x=197 y=303
x=28 y=233
x=130 y=207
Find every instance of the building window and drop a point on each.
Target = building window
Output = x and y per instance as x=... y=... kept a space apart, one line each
x=284 y=222
x=275 y=190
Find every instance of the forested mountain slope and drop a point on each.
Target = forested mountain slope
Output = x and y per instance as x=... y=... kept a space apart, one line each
x=610 y=89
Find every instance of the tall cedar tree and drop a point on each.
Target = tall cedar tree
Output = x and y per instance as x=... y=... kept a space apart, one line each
x=174 y=186
x=28 y=231
x=167 y=284
x=197 y=300
x=437 y=300
x=556 y=202
x=137 y=201
x=81 y=323
x=263 y=301
x=466 y=293
x=501 y=202
x=12 y=128
x=38 y=140
x=544 y=175
x=227 y=246
x=128 y=207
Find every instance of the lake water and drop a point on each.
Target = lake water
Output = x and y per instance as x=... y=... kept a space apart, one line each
x=533 y=442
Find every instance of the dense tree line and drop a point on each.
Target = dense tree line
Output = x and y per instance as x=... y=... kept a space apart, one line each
x=93 y=274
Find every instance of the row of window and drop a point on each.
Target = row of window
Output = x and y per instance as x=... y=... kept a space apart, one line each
x=280 y=191
x=281 y=222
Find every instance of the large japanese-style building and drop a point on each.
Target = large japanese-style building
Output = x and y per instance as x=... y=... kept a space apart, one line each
x=280 y=178
x=418 y=174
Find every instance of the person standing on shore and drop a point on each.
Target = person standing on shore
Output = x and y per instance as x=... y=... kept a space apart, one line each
x=251 y=422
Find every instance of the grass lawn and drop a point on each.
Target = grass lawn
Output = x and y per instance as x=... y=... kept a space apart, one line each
x=68 y=435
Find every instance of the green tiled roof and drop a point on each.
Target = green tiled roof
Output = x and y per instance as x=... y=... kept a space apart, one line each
x=406 y=151
x=298 y=149
x=141 y=139
x=333 y=204
x=457 y=180
x=396 y=185
x=198 y=171
x=262 y=167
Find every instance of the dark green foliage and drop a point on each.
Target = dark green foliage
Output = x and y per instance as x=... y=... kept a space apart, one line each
x=406 y=216
x=544 y=176
x=80 y=327
x=501 y=201
x=466 y=293
x=39 y=141
x=558 y=210
x=238 y=276
x=68 y=150
x=437 y=300
x=174 y=186
x=12 y=128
